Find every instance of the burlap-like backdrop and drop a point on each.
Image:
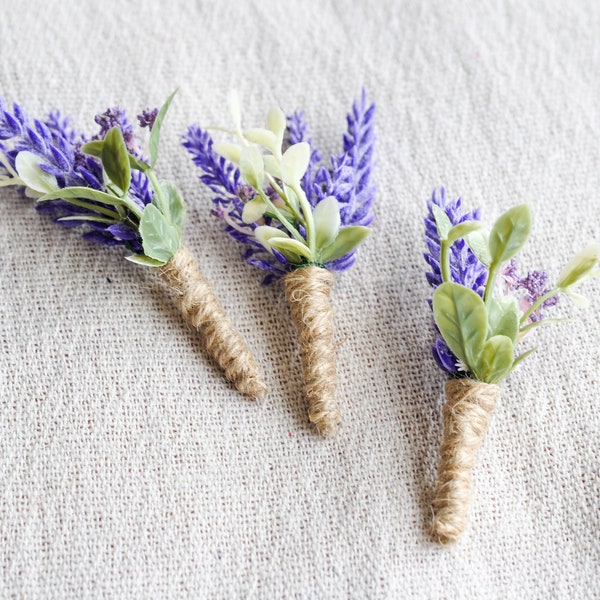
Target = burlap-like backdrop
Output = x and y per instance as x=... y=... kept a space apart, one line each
x=130 y=469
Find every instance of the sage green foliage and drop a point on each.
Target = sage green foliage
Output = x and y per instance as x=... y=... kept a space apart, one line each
x=160 y=223
x=483 y=333
x=305 y=234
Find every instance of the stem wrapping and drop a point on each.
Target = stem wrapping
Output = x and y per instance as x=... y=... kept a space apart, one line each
x=201 y=309
x=467 y=412
x=307 y=291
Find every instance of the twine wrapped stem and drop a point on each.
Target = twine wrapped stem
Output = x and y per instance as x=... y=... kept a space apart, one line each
x=468 y=408
x=307 y=291
x=201 y=309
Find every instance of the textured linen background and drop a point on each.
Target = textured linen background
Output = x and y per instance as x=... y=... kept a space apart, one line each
x=130 y=469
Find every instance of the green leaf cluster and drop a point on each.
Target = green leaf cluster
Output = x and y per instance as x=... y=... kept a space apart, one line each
x=160 y=223
x=483 y=333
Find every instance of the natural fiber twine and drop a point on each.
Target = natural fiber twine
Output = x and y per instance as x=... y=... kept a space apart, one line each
x=201 y=309
x=469 y=405
x=307 y=292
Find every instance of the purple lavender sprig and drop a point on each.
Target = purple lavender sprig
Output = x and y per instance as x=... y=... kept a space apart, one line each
x=465 y=267
x=347 y=182
x=58 y=147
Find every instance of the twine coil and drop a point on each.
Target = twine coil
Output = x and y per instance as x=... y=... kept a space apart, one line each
x=307 y=291
x=467 y=412
x=201 y=309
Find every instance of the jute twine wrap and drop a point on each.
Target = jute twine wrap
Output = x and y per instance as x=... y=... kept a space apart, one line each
x=307 y=292
x=201 y=309
x=469 y=405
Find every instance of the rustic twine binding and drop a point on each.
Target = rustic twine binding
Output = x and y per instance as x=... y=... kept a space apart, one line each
x=201 y=309
x=307 y=292
x=469 y=405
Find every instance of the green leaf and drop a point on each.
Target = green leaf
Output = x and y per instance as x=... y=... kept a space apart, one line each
x=287 y=245
x=294 y=163
x=27 y=165
x=462 y=320
x=254 y=210
x=347 y=239
x=160 y=239
x=496 y=359
x=146 y=261
x=462 y=230
x=252 y=167
x=264 y=233
x=155 y=133
x=479 y=243
x=580 y=267
x=442 y=221
x=175 y=202
x=87 y=194
x=115 y=159
x=503 y=317
x=95 y=149
x=521 y=358
x=509 y=233
x=326 y=216
x=535 y=324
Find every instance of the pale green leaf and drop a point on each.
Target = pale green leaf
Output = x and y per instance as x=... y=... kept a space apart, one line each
x=254 y=210
x=509 y=233
x=503 y=317
x=155 y=133
x=478 y=241
x=578 y=299
x=160 y=239
x=294 y=163
x=175 y=203
x=85 y=193
x=235 y=108
x=326 y=216
x=27 y=165
x=262 y=137
x=461 y=317
x=231 y=152
x=115 y=159
x=272 y=166
x=496 y=359
x=276 y=121
x=347 y=239
x=462 y=230
x=146 y=261
x=252 y=167
x=521 y=358
x=264 y=233
x=580 y=267
x=442 y=222
x=287 y=246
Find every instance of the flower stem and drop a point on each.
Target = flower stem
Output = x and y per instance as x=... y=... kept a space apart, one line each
x=308 y=218
x=445 y=261
x=538 y=303
x=164 y=207
x=490 y=284
x=278 y=214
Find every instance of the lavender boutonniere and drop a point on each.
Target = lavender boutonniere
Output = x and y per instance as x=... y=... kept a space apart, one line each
x=298 y=220
x=105 y=185
x=482 y=310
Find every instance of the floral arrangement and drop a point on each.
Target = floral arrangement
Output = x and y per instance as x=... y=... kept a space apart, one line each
x=482 y=309
x=106 y=186
x=298 y=220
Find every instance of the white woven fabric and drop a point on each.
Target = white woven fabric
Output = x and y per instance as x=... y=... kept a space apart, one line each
x=130 y=469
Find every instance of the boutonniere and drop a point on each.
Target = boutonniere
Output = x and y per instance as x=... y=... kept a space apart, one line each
x=483 y=309
x=110 y=188
x=298 y=219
